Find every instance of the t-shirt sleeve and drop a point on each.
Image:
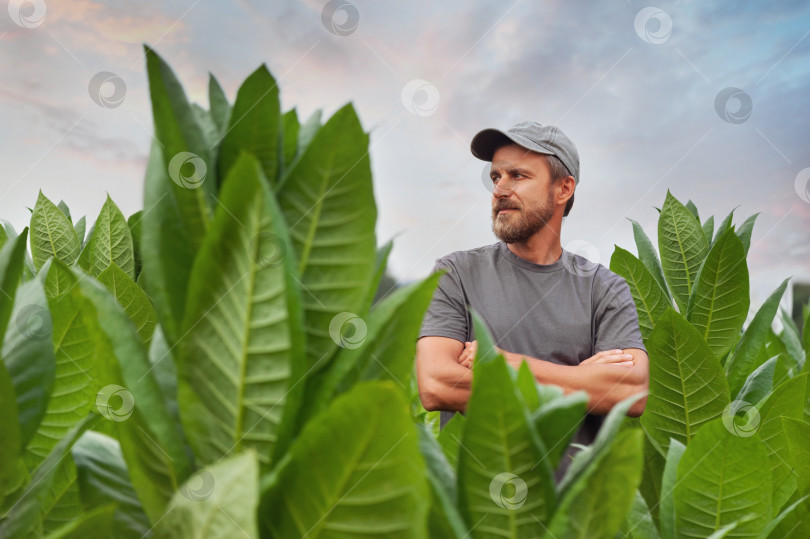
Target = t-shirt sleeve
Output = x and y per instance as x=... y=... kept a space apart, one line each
x=447 y=314
x=615 y=315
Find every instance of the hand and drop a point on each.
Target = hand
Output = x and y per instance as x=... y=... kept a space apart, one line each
x=468 y=354
x=610 y=357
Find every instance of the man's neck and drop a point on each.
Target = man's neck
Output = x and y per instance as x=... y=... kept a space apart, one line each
x=542 y=248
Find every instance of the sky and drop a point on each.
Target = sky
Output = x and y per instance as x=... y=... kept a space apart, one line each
x=705 y=99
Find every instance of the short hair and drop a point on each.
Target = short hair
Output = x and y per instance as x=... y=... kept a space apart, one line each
x=559 y=172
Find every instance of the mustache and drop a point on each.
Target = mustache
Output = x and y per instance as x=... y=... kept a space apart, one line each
x=504 y=206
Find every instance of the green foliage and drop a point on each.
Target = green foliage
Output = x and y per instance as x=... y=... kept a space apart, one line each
x=230 y=361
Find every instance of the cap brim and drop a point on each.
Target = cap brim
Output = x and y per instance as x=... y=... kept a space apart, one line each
x=486 y=141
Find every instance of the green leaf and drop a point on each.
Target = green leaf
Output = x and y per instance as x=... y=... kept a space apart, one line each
x=80 y=227
x=134 y=223
x=505 y=484
x=103 y=478
x=610 y=427
x=169 y=245
x=180 y=187
x=75 y=335
x=444 y=519
x=708 y=229
x=208 y=128
x=380 y=266
x=254 y=125
x=239 y=360
x=718 y=486
x=64 y=207
x=806 y=333
x=786 y=401
x=383 y=349
x=743 y=361
x=669 y=481
x=218 y=103
x=650 y=487
x=3 y=237
x=95 y=524
x=450 y=438
x=692 y=209
x=23 y=516
x=308 y=130
x=164 y=372
x=683 y=248
x=792 y=518
x=12 y=257
x=88 y=237
x=724 y=226
x=648 y=256
x=327 y=198
x=557 y=421
x=52 y=234
x=487 y=351
x=687 y=385
x=759 y=383
x=111 y=243
x=527 y=386
x=9 y=431
x=290 y=128
x=719 y=302
x=797 y=433
x=791 y=339
x=372 y=482
x=745 y=231
x=651 y=301
x=639 y=523
x=223 y=506
x=611 y=477
x=132 y=299
x=29 y=357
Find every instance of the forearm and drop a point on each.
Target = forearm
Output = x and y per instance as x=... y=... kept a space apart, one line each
x=447 y=387
x=606 y=385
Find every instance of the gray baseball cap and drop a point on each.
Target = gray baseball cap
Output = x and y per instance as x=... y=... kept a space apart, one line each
x=546 y=139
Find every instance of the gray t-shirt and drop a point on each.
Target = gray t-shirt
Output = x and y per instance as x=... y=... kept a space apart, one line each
x=563 y=312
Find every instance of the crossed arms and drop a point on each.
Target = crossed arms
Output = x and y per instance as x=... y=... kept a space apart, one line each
x=444 y=375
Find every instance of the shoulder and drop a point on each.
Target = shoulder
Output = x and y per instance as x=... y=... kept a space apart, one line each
x=607 y=283
x=469 y=257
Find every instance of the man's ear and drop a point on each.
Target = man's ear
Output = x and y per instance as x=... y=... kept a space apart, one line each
x=566 y=189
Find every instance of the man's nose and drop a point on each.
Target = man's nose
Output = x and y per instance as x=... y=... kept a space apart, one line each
x=501 y=189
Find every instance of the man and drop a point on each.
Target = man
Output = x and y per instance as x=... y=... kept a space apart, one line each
x=573 y=321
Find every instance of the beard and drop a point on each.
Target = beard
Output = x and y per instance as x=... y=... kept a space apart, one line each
x=522 y=224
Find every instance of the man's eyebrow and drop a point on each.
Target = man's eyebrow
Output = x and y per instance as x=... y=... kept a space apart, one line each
x=511 y=169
